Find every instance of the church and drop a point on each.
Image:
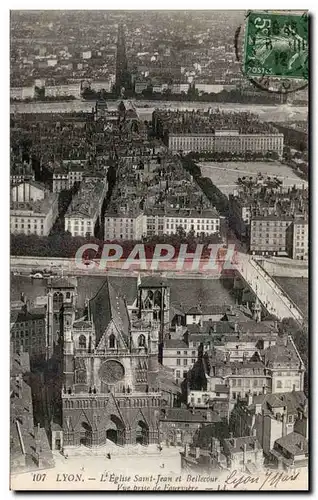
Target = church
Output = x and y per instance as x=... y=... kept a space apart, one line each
x=113 y=383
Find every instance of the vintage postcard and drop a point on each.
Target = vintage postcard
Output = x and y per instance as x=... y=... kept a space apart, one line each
x=159 y=220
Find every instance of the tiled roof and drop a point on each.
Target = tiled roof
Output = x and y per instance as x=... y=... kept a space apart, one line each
x=185 y=415
x=281 y=354
x=62 y=283
x=236 y=445
x=32 y=314
x=19 y=363
x=294 y=401
x=294 y=443
x=221 y=388
x=208 y=309
x=109 y=305
x=174 y=344
x=155 y=281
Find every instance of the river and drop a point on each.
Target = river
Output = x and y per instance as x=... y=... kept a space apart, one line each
x=280 y=112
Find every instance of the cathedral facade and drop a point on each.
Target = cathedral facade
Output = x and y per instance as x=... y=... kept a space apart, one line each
x=111 y=375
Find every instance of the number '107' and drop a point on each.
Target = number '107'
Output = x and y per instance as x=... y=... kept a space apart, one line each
x=38 y=477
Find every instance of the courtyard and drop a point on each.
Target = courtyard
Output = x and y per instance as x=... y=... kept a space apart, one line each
x=225 y=174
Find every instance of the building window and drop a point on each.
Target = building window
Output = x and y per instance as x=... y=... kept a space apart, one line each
x=112 y=341
x=279 y=384
x=185 y=362
x=82 y=342
x=141 y=341
x=178 y=362
x=80 y=377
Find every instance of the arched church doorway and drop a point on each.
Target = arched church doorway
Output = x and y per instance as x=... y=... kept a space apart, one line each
x=142 y=433
x=111 y=434
x=115 y=431
x=85 y=434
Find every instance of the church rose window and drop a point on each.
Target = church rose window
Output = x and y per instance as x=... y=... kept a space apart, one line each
x=111 y=372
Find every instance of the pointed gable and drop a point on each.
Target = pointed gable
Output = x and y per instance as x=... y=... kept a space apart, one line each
x=82 y=416
x=112 y=408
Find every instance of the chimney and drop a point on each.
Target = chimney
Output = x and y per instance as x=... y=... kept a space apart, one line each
x=301 y=445
x=209 y=416
x=254 y=432
x=284 y=419
x=264 y=389
x=197 y=453
x=235 y=327
x=233 y=442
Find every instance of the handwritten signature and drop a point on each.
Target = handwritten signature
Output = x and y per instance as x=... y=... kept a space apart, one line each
x=272 y=479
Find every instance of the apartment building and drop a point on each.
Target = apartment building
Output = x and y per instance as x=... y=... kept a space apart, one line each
x=269 y=234
x=124 y=226
x=240 y=209
x=86 y=206
x=70 y=89
x=29 y=331
x=218 y=142
x=206 y=221
x=66 y=175
x=16 y=178
x=178 y=426
x=273 y=219
x=33 y=209
x=60 y=180
x=242 y=453
x=280 y=423
x=299 y=239
x=28 y=191
x=276 y=368
x=179 y=357
x=35 y=217
x=75 y=174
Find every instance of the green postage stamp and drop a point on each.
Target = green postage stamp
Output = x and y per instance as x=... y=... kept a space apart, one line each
x=276 y=45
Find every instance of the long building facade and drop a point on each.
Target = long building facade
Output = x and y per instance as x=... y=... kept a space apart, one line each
x=231 y=142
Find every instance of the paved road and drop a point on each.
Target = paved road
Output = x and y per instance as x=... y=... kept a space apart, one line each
x=267 y=290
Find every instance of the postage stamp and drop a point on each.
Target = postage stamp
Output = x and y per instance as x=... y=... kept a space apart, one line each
x=276 y=45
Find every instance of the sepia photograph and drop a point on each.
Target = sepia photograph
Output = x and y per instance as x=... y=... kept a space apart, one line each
x=159 y=250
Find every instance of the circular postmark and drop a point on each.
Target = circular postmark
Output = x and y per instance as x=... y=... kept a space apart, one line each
x=272 y=49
